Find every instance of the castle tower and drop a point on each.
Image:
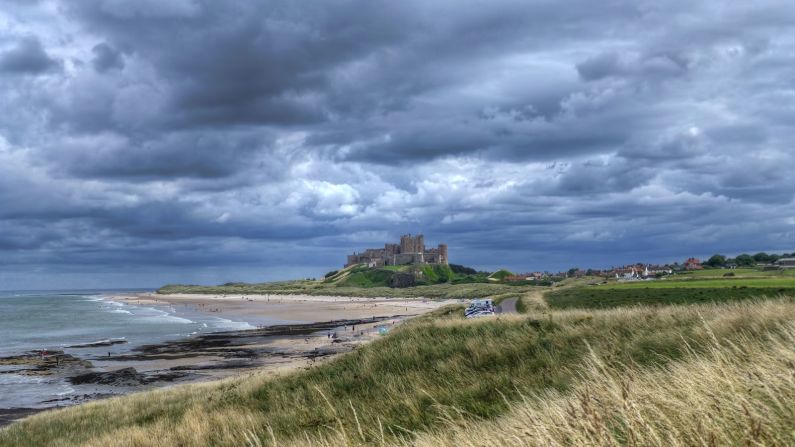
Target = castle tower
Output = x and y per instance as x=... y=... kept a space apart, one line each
x=443 y=254
x=407 y=244
x=420 y=244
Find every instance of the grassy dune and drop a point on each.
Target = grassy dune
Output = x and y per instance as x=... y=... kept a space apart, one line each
x=734 y=394
x=446 y=290
x=560 y=377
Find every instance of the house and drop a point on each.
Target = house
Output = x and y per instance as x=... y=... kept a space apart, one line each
x=516 y=278
x=693 y=264
x=786 y=263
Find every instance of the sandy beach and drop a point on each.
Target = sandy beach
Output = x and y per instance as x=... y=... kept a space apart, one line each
x=289 y=332
x=300 y=330
x=262 y=310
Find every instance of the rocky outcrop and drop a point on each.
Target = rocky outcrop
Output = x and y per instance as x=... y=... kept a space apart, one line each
x=402 y=280
x=120 y=377
x=98 y=344
x=125 y=377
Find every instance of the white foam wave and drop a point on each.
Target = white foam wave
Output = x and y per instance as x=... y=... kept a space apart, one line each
x=223 y=323
x=18 y=379
x=166 y=317
x=67 y=390
x=121 y=311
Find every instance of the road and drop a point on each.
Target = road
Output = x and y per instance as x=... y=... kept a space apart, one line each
x=507 y=306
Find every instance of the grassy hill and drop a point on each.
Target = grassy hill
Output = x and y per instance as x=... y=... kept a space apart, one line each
x=499 y=275
x=431 y=281
x=583 y=377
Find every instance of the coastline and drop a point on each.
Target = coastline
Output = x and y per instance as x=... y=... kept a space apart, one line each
x=263 y=310
x=292 y=332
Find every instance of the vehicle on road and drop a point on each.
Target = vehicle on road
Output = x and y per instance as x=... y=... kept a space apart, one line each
x=480 y=308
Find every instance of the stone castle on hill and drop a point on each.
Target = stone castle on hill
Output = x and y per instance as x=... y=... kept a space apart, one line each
x=410 y=250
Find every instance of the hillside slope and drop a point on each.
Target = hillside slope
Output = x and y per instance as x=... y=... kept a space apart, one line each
x=435 y=368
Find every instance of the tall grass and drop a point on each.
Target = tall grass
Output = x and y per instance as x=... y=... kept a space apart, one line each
x=442 y=380
x=736 y=393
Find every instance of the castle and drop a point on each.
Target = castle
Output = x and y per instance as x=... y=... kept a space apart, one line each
x=410 y=250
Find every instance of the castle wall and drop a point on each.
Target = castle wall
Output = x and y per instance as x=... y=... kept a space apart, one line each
x=410 y=250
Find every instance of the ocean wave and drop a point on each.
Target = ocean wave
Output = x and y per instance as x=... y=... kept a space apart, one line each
x=165 y=316
x=18 y=379
x=223 y=323
x=67 y=390
x=121 y=311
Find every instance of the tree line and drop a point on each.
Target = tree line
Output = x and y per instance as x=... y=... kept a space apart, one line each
x=745 y=260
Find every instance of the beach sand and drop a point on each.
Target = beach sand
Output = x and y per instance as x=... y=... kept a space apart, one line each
x=292 y=332
x=276 y=352
x=262 y=310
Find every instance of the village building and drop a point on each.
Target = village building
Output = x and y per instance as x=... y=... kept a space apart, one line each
x=641 y=271
x=693 y=264
x=786 y=263
x=410 y=250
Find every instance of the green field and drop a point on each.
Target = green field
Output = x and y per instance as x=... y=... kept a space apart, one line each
x=742 y=272
x=692 y=287
x=598 y=297
x=771 y=282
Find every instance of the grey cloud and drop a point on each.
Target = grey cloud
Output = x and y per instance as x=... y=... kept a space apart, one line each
x=106 y=58
x=27 y=57
x=599 y=66
x=187 y=154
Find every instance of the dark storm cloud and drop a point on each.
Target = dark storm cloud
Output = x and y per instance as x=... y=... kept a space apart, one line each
x=106 y=58
x=27 y=56
x=270 y=137
x=182 y=154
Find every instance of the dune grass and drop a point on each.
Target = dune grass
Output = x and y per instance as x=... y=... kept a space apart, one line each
x=735 y=393
x=412 y=383
x=441 y=291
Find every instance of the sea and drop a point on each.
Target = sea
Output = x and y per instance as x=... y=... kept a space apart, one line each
x=53 y=320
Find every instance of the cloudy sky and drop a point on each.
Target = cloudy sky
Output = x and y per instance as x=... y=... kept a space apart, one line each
x=207 y=141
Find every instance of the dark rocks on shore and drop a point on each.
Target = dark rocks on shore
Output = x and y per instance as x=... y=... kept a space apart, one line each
x=121 y=377
x=236 y=344
x=125 y=377
x=98 y=344
x=43 y=363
